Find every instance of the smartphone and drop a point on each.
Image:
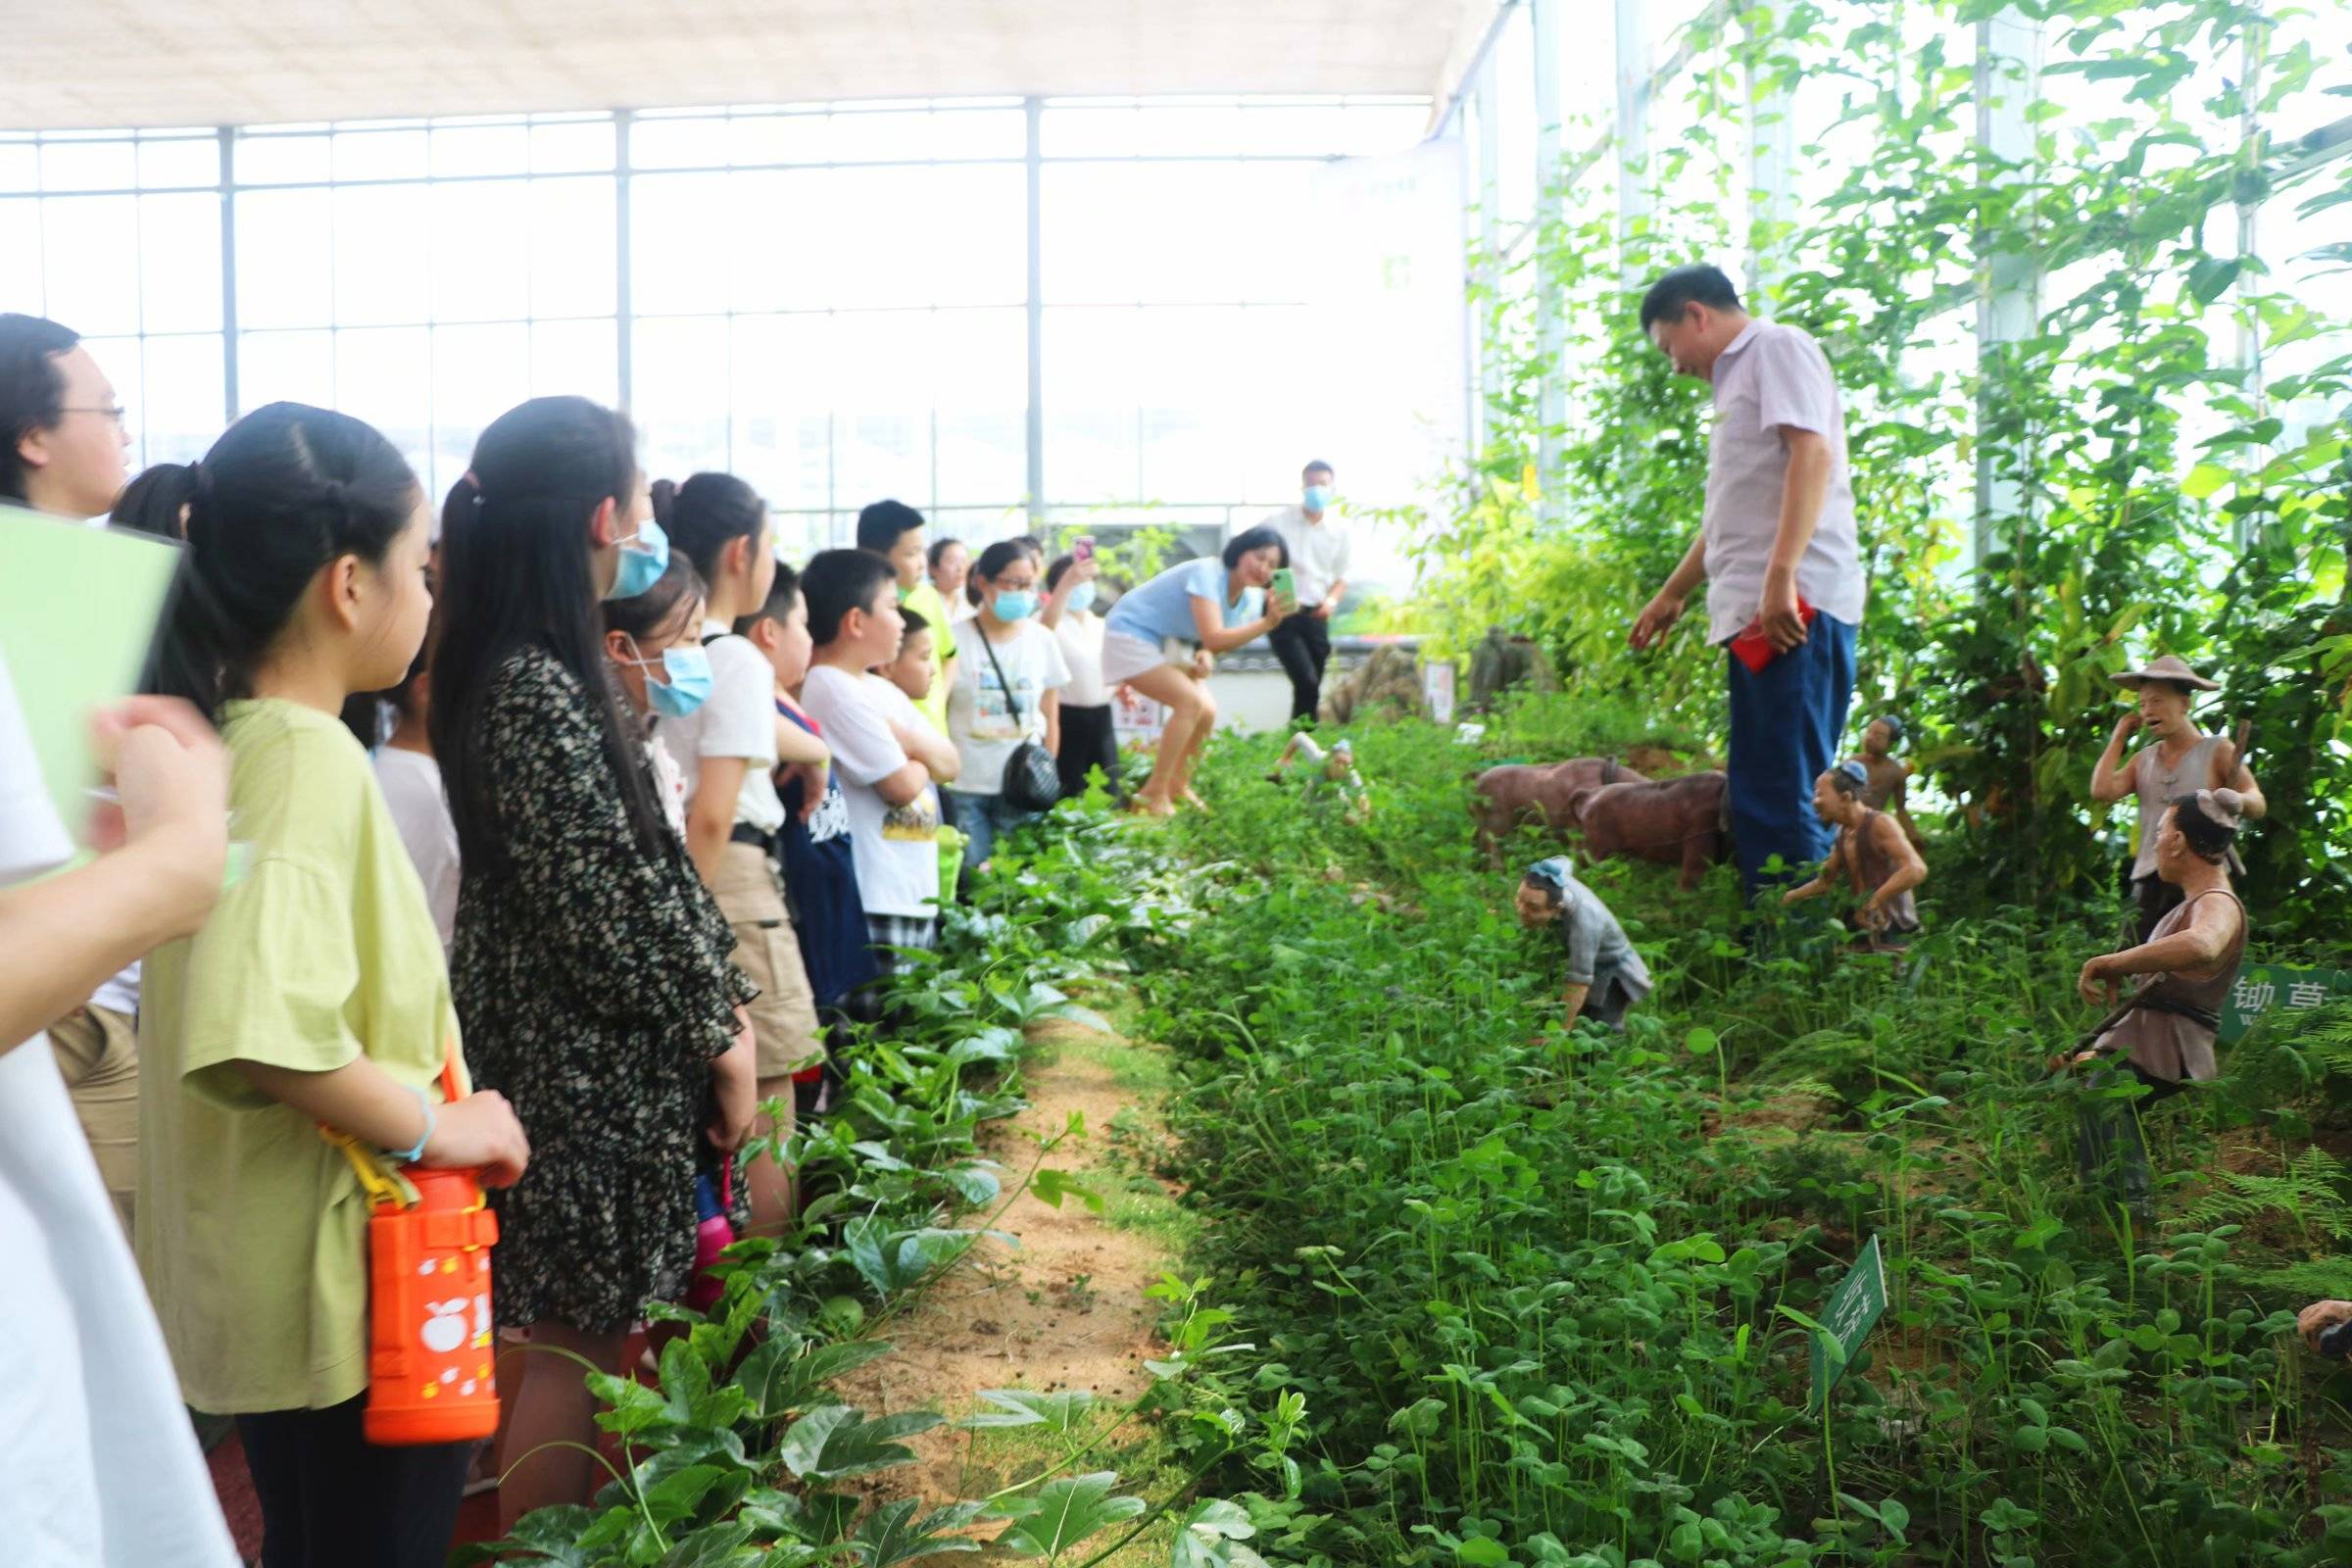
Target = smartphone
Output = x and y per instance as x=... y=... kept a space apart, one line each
x=1084 y=548
x=1285 y=586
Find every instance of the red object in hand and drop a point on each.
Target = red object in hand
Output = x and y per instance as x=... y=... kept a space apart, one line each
x=1754 y=650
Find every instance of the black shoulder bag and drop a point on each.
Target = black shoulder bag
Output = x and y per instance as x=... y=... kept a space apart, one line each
x=1032 y=778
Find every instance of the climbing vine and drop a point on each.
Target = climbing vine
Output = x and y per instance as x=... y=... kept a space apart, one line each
x=2146 y=489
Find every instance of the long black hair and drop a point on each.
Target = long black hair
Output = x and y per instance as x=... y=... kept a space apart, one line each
x=517 y=573
x=706 y=513
x=288 y=489
x=154 y=501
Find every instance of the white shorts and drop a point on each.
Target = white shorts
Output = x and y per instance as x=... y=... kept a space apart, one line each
x=1124 y=658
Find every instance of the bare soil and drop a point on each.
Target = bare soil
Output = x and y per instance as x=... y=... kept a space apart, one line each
x=1064 y=1309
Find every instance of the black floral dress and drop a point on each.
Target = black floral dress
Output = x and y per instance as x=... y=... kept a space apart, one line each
x=592 y=984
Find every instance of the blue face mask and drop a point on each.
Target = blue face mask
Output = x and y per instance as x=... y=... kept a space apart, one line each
x=1318 y=498
x=1082 y=596
x=1014 y=603
x=644 y=558
x=689 y=672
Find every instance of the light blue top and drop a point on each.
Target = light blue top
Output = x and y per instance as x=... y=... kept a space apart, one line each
x=1163 y=606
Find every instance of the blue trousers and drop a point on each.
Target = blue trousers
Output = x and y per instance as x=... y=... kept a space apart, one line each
x=983 y=819
x=1785 y=722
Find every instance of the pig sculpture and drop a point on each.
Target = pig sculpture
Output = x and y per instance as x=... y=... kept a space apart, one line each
x=1517 y=793
x=1674 y=820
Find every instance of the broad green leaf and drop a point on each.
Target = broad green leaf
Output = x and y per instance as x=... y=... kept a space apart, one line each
x=834 y=1441
x=893 y=1535
x=1052 y=1186
x=1058 y=1412
x=1482 y=1551
x=2204 y=479
x=1062 y=1512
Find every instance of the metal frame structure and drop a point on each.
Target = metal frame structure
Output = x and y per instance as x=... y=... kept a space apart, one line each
x=2005 y=299
x=627 y=169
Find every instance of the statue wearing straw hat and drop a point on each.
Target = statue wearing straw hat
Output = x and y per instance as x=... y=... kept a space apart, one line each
x=2180 y=760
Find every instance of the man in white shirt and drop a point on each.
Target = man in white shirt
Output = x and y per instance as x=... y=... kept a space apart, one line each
x=1317 y=548
x=1776 y=549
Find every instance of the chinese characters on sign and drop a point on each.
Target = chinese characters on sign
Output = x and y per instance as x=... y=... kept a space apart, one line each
x=1854 y=1310
x=2267 y=988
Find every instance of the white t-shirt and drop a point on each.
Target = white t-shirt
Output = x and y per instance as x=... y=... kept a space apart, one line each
x=1319 y=551
x=737 y=720
x=98 y=1464
x=895 y=847
x=980 y=713
x=1081 y=635
x=1772 y=376
x=412 y=786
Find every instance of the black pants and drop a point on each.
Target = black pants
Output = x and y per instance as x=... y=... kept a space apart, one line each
x=1088 y=740
x=332 y=1500
x=2153 y=897
x=1302 y=642
x=2109 y=1152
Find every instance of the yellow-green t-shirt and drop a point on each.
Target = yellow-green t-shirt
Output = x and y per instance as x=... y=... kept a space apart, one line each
x=252 y=1228
x=925 y=600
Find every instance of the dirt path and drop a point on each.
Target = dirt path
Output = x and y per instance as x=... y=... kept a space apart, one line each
x=1065 y=1308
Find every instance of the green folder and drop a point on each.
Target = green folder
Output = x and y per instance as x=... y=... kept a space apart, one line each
x=78 y=611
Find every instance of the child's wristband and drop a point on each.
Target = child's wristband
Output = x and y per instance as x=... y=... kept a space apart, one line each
x=415 y=1152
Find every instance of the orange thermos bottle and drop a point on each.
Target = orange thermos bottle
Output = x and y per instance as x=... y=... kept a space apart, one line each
x=431 y=1349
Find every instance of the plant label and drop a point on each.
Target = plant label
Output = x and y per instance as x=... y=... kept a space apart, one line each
x=1853 y=1311
x=2264 y=988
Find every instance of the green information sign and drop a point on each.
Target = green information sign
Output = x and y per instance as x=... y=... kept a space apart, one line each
x=2265 y=988
x=1853 y=1311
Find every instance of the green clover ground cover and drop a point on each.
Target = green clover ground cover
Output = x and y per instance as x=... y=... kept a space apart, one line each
x=1546 y=1291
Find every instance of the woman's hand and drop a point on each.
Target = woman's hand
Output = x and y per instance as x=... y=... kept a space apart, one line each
x=734 y=1090
x=2125 y=728
x=1203 y=662
x=812 y=777
x=479 y=1133
x=2095 y=985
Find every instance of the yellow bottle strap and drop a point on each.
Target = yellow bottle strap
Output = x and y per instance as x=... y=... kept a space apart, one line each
x=384 y=1184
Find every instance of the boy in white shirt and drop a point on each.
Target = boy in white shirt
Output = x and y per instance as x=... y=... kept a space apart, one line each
x=887 y=756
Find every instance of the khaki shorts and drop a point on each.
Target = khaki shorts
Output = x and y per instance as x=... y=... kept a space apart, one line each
x=784 y=1013
x=97 y=1050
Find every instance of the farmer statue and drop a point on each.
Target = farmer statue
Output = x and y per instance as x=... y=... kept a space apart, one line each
x=1872 y=856
x=1890 y=780
x=2180 y=758
x=1605 y=975
x=2162 y=1036
x=1338 y=768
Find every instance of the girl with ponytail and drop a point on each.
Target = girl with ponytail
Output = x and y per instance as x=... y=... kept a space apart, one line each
x=315 y=994
x=590 y=964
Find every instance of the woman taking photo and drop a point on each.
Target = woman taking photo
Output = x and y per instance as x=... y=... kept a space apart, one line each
x=590 y=964
x=1008 y=675
x=1216 y=603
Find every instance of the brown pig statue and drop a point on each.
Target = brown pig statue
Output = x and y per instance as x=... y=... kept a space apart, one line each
x=1675 y=820
x=1519 y=792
